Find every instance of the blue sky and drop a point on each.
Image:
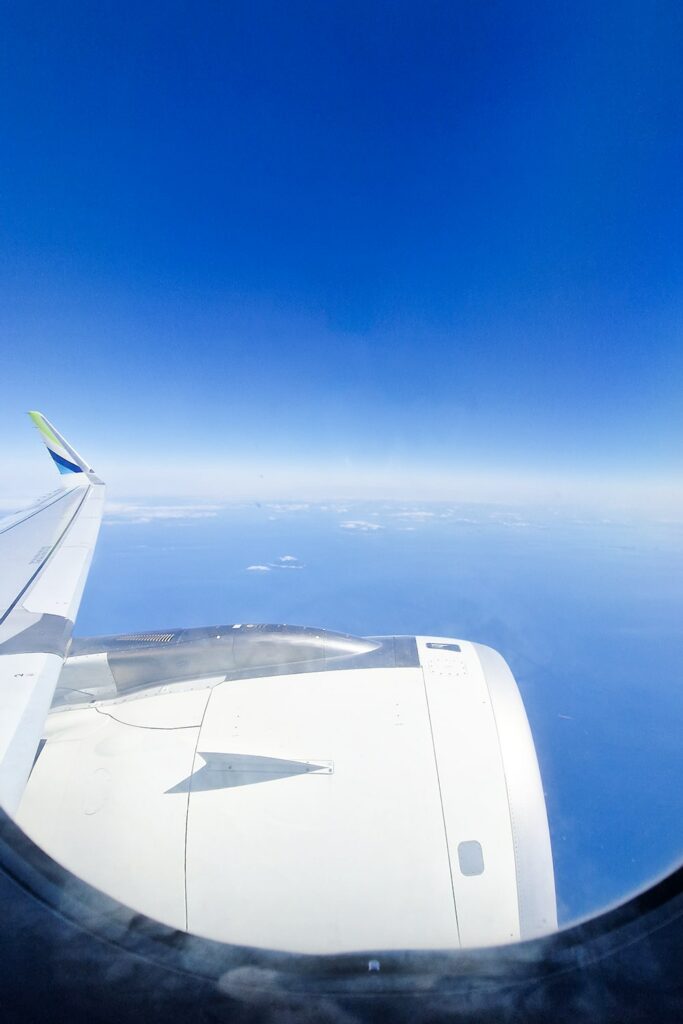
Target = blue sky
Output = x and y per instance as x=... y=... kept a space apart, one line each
x=346 y=248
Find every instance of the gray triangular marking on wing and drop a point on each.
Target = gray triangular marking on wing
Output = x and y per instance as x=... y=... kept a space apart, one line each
x=225 y=771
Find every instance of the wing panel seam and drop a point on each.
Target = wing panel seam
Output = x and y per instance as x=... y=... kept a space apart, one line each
x=443 y=813
x=136 y=725
x=49 y=555
x=187 y=807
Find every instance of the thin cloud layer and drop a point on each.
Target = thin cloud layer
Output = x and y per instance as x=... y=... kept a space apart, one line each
x=416 y=514
x=301 y=506
x=119 y=512
x=283 y=562
x=362 y=525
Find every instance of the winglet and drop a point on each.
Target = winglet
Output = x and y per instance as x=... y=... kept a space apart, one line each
x=65 y=457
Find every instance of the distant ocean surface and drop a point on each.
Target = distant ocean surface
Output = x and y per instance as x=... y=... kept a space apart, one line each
x=587 y=612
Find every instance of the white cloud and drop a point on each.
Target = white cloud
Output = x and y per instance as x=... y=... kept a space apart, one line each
x=120 y=512
x=283 y=562
x=416 y=514
x=291 y=507
x=510 y=519
x=360 y=524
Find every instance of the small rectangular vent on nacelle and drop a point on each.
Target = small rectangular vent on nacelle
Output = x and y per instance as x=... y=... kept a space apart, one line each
x=148 y=638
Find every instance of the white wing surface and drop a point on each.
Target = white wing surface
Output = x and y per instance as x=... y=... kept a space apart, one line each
x=45 y=554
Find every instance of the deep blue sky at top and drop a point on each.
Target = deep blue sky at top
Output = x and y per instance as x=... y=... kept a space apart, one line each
x=346 y=230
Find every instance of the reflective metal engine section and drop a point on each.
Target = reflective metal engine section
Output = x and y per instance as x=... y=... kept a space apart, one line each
x=296 y=789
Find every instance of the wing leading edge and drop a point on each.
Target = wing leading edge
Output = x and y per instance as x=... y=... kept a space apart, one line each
x=45 y=551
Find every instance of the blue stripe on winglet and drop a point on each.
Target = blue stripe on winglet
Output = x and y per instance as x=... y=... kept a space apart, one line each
x=63 y=465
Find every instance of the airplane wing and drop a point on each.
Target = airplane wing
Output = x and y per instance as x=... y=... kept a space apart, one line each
x=45 y=552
